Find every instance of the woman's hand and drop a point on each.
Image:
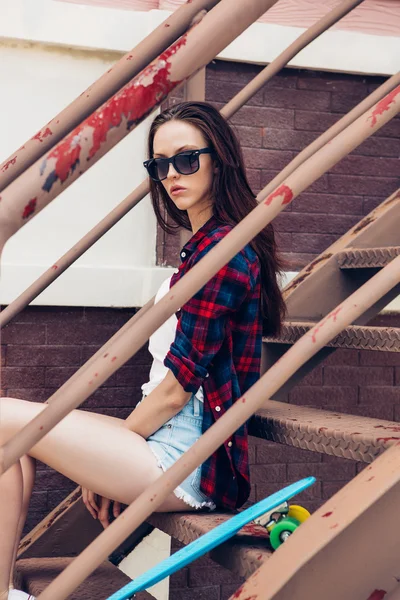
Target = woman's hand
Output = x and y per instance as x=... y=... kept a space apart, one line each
x=99 y=506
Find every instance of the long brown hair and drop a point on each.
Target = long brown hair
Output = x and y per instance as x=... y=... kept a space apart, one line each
x=233 y=198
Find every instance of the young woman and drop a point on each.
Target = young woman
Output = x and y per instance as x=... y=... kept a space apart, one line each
x=205 y=357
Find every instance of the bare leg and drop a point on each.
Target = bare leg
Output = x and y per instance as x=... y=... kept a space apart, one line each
x=28 y=465
x=95 y=451
x=10 y=511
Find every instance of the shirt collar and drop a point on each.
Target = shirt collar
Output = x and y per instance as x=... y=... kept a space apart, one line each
x=205 y=230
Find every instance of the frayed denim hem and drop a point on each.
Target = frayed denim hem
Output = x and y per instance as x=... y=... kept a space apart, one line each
x=181 y=493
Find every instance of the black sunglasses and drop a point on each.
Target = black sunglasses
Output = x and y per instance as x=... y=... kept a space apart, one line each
x=185 y=163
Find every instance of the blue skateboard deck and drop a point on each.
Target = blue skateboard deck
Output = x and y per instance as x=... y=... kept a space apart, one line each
x=210 y=540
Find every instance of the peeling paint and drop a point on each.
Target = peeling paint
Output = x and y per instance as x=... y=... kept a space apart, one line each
x=40 y=136
x=333 y=314
x=29 y=208
x=393 y=428
x=283 y=190
x=383 y=105
x=377 y=595
x=8 y=164
x=362 y=224
x=130 y=105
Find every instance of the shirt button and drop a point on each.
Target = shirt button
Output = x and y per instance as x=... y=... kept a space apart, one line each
x=218 y=408
x=183 y=254
x=230 y=444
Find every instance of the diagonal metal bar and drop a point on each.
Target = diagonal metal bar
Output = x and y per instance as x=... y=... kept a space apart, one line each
x=125 y=346
x=141 y=191
x=240 y=412
x=286 y=56
x=331 y=556
x=330 y=133
x=104 y=128
x=183 y=290
x=107 y=85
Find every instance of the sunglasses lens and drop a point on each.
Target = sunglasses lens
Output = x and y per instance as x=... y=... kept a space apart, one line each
x=187 y=163
x=157 y=169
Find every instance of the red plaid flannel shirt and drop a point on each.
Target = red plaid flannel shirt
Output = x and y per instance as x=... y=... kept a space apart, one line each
x=218 y=345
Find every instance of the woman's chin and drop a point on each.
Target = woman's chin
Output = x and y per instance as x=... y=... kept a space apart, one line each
x=182 y=204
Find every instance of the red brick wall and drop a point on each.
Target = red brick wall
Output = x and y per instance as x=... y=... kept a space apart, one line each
x=42 y=347
x=282 y=119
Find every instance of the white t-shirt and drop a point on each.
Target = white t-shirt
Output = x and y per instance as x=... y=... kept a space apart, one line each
x=159 y=345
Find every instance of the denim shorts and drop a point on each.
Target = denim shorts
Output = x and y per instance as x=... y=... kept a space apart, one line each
x=171 y=441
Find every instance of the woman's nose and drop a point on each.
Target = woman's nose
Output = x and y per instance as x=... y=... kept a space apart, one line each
x=172 y=172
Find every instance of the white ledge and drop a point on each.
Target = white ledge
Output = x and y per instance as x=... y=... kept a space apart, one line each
x=113 y=287
x=106 y=29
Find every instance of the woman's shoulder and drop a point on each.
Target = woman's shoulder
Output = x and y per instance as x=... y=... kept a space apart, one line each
x=246 y=259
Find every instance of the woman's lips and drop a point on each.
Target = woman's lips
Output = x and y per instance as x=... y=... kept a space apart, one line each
x=178 y=191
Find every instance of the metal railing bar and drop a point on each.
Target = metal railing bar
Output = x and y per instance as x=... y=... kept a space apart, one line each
x=126 y=345
x=257 y=396
x=141 y=191
x=108 y=84
x=312 y=33
x=86 y=144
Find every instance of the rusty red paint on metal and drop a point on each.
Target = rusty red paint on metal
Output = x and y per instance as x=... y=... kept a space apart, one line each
x=383 y=105
x=238 y=591
x=328 y=514
x=283 y=190
x=393 y=428
x=40 y=136
x=377 y=595
x=256 y=530
x=29 y=208
x=133 y=103
x=9 y=163
x=333 y=314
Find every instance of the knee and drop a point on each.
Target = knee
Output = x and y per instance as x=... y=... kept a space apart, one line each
x=10 y=409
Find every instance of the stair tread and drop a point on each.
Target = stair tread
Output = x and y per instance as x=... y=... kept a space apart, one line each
x=35 y=574
x=382 y=339
x=366 y=258
x=242 y=554
x=348 y=436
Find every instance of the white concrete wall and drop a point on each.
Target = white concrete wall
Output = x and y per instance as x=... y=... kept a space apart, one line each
x=38 y=82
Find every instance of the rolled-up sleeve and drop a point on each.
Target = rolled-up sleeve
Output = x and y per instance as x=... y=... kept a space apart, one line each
x=203 y=319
